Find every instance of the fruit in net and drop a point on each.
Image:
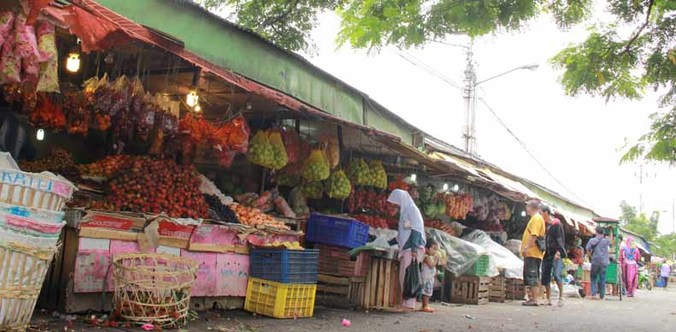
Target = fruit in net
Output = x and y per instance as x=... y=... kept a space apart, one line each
x=378 y=175
x=338 y=185
x=260 y=150
x=359 y=173
x=316 y=167
x=313 y=190
x=279 y=156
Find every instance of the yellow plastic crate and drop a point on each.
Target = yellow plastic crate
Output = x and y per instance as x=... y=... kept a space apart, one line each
x=279 y=300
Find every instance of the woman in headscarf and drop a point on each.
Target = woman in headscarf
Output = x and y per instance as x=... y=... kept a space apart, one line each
x=629 y=257
x=410 y=237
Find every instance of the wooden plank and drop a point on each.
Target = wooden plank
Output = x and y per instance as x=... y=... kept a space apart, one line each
x=388 y=281
x=366 y=299
x=328 y=279
x=381 y=284
x=333 y=289
x=374 y=283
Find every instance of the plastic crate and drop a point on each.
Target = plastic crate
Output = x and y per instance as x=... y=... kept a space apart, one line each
x=337 y=261
x=280 y=300
x=480 y=268
x=336 y=231
x=611 y=273
x=285 y=266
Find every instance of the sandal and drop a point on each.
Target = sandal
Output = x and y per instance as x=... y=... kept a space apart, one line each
x=428 y=310
x=529 y=304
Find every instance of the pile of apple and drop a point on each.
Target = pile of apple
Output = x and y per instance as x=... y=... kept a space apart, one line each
x=156 y=186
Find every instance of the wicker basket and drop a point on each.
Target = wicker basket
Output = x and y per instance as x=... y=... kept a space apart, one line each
x=34 y=190
x=153 y=288
x=22 y=271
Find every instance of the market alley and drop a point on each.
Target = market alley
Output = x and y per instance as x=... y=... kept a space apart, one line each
x=650 y=311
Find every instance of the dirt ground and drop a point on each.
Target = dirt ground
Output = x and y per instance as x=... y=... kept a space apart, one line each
x=650 y=311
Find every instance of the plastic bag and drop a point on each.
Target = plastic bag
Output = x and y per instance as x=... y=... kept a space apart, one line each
x=298 y=202
x=461 y=255
x=6 y=25
x=283 y=207
x=10 y=62
x=359 y=173
x=260 y=150
x=49 y=69
x=412 y=280
x=332 y=150
x=313 y=190
x=501 y=258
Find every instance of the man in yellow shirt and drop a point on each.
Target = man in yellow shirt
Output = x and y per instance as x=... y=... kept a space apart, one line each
x=532 y=255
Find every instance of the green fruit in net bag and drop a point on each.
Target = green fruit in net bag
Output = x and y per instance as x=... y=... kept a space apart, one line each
x=378 y=175
x=338 y=185
x=316 y=167
x=279 y=156
x=313 y=190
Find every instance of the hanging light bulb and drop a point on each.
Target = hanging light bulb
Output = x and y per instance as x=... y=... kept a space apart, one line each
x=40 y=134
x=414 y=177
x=445 y=187
x=197 y=108
x=523 y=213
x=73 y=62
x=456 y=187
x=192 y=98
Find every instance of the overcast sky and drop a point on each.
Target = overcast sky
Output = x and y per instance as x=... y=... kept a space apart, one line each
x=578 y=139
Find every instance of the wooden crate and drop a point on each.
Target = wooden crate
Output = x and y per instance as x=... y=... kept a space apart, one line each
x=497 y=289
x=339 y=292
x=470 y=290
x=514 y=289
x=336 y=261
x=380 y=289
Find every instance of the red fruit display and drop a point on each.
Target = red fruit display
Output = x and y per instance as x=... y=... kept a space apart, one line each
x=156 y=186
x=107 y=166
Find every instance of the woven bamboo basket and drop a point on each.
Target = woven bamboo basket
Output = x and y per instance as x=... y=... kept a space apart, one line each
x=153 y=288
x=34 y=190
x=22 y=271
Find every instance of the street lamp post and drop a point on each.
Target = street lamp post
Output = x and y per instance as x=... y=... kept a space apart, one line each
x=469 y=94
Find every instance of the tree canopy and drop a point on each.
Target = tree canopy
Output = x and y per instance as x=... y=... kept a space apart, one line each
x=609 y=63
x=639 y=223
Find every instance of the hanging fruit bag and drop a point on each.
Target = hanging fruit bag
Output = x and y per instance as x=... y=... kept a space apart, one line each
x=280 y=159
x=316 y=167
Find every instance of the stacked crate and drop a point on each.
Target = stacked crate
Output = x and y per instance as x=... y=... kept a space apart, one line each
x=339 y=273
x=497 y=289
x=514 y=289
x=282 y=283
x=471 y=290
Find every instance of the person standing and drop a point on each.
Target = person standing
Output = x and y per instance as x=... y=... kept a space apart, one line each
x=554 y=254
x=665 y=270
x=531 y=253
x=629 y=257
x=410 y=238
x=429 y=273
x=600 y=258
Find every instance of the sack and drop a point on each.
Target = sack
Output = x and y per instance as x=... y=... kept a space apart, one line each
x=412 y=280
x=541 y=243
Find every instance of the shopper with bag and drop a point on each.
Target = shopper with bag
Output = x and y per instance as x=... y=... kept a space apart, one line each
x=532 y=251
x=411 y=241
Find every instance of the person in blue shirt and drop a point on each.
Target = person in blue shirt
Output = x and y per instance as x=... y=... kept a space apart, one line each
x=599 y=249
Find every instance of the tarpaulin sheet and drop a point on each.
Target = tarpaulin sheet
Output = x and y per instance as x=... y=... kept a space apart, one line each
x=501 y=258
x=461 y=255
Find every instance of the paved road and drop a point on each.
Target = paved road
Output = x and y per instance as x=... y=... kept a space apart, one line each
x=652 y=311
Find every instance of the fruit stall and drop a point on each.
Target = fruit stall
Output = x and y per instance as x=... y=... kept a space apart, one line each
x=167 y=156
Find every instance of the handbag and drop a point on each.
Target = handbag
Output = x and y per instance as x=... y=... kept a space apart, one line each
x=541 y=243
x=412 y=280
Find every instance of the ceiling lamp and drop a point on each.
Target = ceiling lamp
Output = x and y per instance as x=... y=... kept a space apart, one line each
x=192 y=99
x=40 y=135
x=197 y=108
x=73 y=62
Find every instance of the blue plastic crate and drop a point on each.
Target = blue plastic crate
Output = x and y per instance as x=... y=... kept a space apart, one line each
x=336 y=231
x=285 y=266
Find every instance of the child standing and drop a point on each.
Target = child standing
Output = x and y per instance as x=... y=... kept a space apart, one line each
x=429 y=272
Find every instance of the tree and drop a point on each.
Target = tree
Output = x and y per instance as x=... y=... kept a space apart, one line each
x=607 y=64
x=639 y=223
